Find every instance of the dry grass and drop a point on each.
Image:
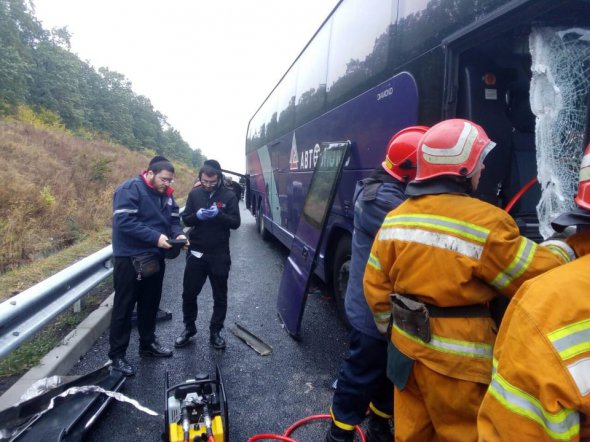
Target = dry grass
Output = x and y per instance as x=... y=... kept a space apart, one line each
x=57 y=191
x=16 y=280
x=56 y=209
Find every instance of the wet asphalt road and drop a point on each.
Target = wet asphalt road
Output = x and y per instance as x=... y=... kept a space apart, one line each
x=266 y=394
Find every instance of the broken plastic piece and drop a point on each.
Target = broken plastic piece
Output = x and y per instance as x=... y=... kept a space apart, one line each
x=261 y=347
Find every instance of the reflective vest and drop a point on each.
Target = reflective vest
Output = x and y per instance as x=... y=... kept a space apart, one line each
x=451 y=250
x=540 y=389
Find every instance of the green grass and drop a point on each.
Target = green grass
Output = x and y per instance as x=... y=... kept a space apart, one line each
x=31 y=352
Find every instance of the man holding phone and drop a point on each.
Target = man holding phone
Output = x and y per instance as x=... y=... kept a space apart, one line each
x=212 y=210
x=145 y=219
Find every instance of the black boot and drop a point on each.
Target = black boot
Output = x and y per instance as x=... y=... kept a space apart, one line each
x=121 y=364
x=155 y=349
x=337 y=434
x=379 y=429
x=184 y=337
x=217 y=341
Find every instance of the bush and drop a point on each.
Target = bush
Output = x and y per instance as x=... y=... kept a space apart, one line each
x=47 y=199
x=42 y=118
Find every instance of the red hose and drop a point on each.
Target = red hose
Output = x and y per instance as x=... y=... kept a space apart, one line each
x=516 y=197
x=286 y=438
x=271 y=437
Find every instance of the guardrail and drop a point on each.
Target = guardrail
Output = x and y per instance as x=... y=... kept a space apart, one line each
x=25 y=314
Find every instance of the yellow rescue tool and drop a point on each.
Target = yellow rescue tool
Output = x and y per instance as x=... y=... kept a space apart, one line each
x=196 y=410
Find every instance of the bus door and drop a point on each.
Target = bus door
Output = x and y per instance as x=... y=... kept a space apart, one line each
x=302 y=259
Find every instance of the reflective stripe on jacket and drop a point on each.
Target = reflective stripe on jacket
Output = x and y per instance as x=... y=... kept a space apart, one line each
x=451 y=250
x=540 y=389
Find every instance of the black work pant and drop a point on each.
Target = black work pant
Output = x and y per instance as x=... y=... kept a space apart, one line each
x=129 y=291
x=362 y=380
x=196 y=272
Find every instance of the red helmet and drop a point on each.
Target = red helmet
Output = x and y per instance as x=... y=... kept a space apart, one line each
x=400 y=160
x=452 y=147
x=583 y=197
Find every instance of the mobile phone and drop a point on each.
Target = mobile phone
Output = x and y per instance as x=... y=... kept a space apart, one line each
x=176 y=242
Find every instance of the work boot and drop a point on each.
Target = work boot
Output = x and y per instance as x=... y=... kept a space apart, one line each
x=337 y=434
x=184 y=337
x=121 y=364
x=155 y=349
x=379 y=429
x=217 y=341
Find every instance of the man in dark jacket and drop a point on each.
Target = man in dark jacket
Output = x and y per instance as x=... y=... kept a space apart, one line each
x=236 y=187
x=362 y=382
x=145 y=216
x=211 y=210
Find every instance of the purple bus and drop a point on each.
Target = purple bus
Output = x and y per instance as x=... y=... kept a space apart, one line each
x=369 y=72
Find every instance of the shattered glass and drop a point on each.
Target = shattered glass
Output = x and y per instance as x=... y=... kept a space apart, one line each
x=559 y=88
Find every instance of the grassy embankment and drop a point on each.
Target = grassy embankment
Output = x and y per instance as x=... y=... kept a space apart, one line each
x=56 y=208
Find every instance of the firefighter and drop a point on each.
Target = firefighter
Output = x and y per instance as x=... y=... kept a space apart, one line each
x=362 y=381
x=540 y=389
x=437 y=261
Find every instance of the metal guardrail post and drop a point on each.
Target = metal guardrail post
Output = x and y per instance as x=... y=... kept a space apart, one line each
x=25 y=314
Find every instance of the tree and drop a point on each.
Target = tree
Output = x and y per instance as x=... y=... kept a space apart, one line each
x=14 y=53
x=55 y=83
x=114 y=106
x=37 y=68
x=146 y=123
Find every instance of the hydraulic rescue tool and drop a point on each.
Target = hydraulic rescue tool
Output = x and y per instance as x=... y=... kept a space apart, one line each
x=196 y=410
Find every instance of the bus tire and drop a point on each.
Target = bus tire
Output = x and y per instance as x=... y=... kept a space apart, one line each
x=264 y=234
x=340 y=273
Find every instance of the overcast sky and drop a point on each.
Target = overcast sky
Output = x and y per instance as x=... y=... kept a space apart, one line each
x=205 y=64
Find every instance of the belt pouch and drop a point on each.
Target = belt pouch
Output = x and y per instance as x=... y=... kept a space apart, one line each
x=146 y=265
x=410 y=316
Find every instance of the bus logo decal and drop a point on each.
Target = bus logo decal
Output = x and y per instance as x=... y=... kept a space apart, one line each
x=294 y=162
x=316 y=154
x=309 y=157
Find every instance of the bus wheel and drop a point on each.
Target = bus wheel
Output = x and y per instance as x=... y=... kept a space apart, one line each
x=340 y=273
x=260 y=224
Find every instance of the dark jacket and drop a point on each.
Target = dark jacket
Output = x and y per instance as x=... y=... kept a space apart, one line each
x=237 y=189
x=211 y=236
x=374 y=198
x=140 y=216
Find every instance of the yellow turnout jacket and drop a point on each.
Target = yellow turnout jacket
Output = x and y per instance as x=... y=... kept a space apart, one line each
x=451 y=250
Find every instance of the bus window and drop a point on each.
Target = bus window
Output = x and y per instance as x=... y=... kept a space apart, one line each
x=253 y=140
x=559 y=89
x=266 y=121
x=358 y=47
x=269 y=115
x=422 y=24
x=285 y=94
x=311 y=78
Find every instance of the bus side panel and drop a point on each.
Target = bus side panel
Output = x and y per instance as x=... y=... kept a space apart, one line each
x=257 y=183
x=282 y=173
x=368 y=121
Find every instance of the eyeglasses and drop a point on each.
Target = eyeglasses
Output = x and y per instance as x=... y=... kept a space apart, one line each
x=208 y=183
x=167 y=180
